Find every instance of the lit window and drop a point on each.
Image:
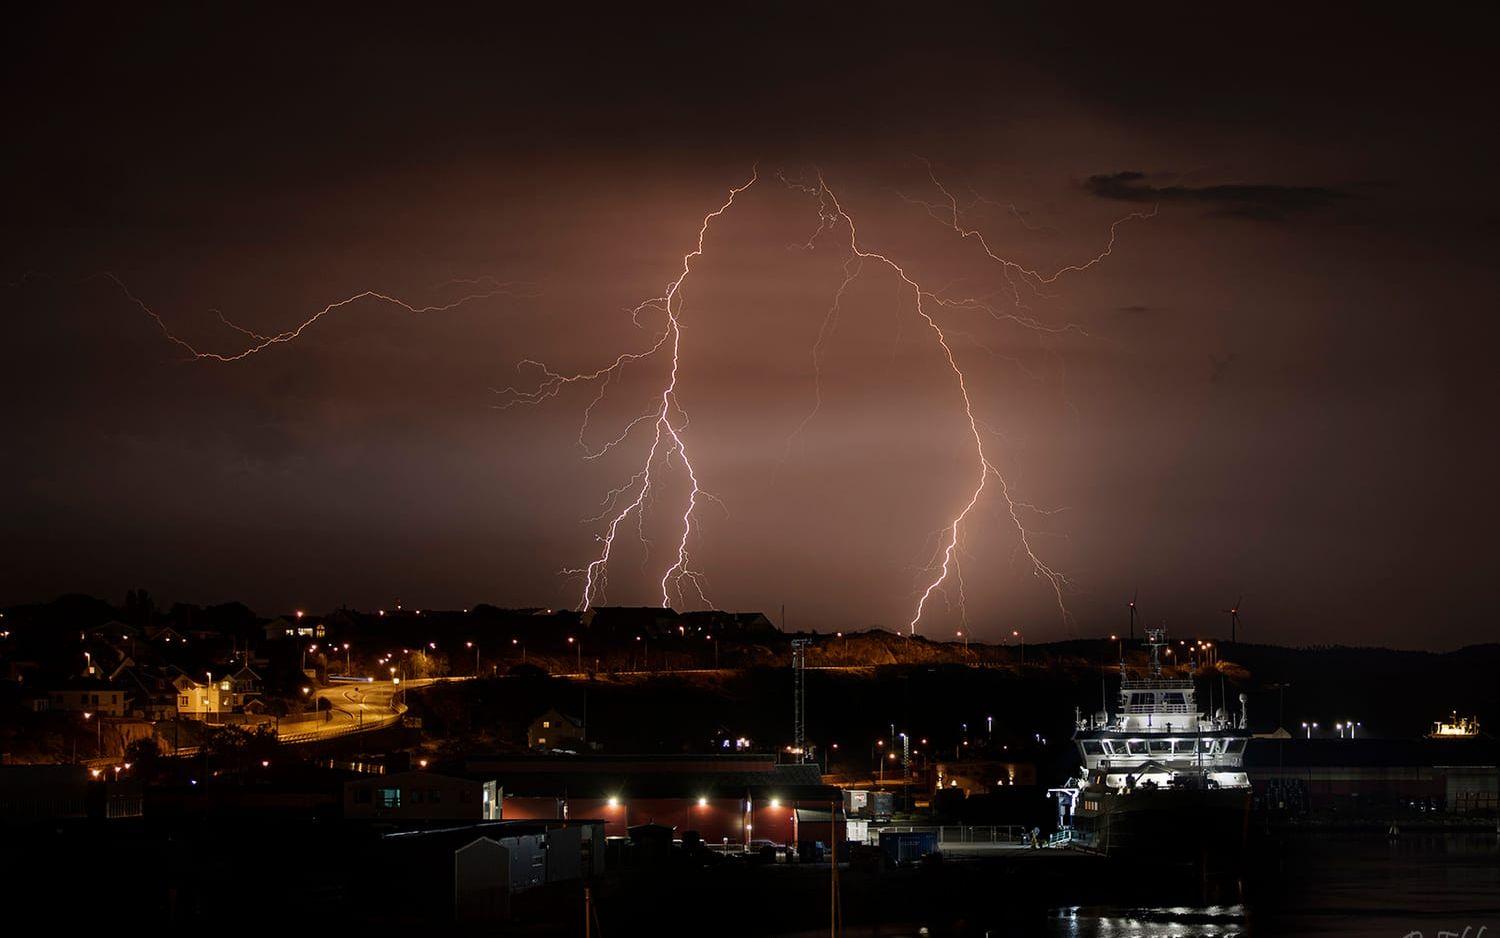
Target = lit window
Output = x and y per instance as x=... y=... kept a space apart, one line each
x=546 y=724
x=390 y=797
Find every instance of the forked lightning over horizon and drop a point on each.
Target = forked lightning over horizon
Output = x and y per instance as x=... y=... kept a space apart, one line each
x=665 y=420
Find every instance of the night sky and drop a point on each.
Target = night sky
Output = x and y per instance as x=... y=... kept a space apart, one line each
x=1280 y=386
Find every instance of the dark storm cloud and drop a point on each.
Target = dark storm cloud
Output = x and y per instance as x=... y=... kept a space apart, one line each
x=1237 y=200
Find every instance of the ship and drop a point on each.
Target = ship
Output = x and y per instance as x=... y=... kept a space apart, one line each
x=1158 y=779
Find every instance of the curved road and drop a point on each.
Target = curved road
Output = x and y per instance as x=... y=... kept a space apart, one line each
x=354 y=708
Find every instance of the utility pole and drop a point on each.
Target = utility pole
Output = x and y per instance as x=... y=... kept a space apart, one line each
x=834 y=916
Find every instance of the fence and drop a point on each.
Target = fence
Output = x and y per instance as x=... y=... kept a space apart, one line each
x=955 y=834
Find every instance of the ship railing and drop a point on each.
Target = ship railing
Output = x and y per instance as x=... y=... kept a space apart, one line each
x=955 y=834
x=1158 y=708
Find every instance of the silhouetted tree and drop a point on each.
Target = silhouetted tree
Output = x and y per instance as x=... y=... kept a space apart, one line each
x=140 y=608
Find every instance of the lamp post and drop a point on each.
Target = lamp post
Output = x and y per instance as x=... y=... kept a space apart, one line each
x=578 y=647
x=516 y=641
x=645 y=653
x=348 y=666
x=1016 y=633
x=716 y=650
x=476 y=656
x=98 y=731
x=965 y=639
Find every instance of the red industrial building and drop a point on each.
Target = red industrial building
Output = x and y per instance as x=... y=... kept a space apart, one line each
x=730 y=799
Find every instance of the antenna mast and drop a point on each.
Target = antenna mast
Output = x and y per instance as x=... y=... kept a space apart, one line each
x=799 y=697
x=1155 y=639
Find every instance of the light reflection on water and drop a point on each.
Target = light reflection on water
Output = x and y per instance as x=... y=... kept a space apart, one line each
x=1208 y=921
x=1418 y=886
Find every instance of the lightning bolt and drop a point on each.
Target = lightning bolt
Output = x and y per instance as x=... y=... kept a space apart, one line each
x=668 y=419
x=833 y=217
x=260 y=342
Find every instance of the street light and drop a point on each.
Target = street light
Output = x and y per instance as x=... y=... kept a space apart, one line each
x=578 y=646
x=1016 y=633
x=476 y=656
x=98 y=732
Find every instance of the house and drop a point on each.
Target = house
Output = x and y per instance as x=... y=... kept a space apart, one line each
x=716 y=621
x=299 y=626
x=149 y=692
x=165 y=635
x=208 y=702
x=88 y=697
x=555 y=730
x=469 y=873
x=114 y=632
x=422 y=796
x=626 y=621
x=244 y=686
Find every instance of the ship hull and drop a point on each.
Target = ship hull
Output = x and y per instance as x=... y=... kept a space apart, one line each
x=1168 y=825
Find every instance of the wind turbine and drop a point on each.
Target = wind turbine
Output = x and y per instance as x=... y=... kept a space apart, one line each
x=1233 y=612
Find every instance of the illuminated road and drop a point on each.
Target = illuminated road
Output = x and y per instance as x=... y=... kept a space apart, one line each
x=354 y=708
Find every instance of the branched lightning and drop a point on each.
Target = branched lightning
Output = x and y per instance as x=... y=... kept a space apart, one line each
x=260 y=342
x=668 y=420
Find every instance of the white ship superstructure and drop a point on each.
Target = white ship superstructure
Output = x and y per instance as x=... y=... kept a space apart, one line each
x=1155 y=754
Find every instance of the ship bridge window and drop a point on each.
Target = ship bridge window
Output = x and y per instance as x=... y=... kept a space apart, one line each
x=1160 y=745
x=1236 y=745
x=1174 y=700
x=1110 y=747
x=1137 y=747
x=1092 y=747
x=1138 y=699
x=1186 y=745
